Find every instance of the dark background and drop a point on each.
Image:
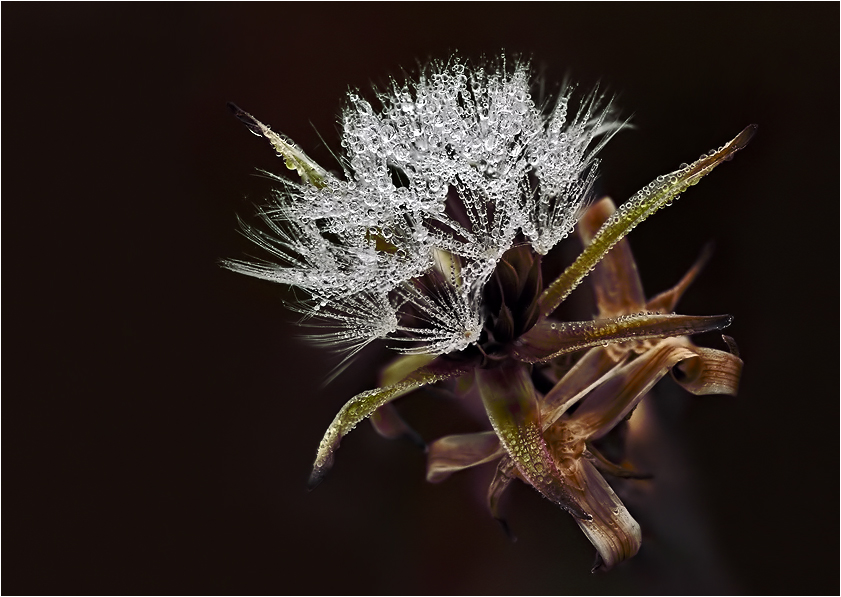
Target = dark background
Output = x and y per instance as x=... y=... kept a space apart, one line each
x=162 y=414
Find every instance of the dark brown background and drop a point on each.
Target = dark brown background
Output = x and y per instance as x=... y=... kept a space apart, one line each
x=160 y=414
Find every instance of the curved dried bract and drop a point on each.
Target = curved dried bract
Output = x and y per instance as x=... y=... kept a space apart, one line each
x=611 y=402
x=615 y=281
x=667 y=301
x=550 y=339
x=588 y=372
x=504 y=474
x=453 y=453
x=710 y=371
x=612 y=530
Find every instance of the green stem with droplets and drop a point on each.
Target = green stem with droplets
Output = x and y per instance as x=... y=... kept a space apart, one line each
x=647 y=201
x=363 y=405
x=511 y=404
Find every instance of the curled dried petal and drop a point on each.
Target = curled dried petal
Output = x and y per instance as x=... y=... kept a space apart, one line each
x=612 y=530
x=454 y=453
x=731 y=344
x=710 y=371
x=587 y=373
x=389 y=424
x=505 y=473
x=611 y=402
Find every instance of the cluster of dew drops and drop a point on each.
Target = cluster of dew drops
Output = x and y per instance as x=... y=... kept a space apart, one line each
x=470 y=133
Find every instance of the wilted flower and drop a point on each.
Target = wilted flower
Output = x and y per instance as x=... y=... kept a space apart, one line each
x=433 y=239
x=605 y=385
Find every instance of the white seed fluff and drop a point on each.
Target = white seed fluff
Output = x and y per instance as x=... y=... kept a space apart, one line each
x=437 y=185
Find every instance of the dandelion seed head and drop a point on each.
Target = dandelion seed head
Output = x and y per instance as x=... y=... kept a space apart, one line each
x=457 y=163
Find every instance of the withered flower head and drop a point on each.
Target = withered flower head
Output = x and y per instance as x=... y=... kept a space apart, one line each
x=589 y=400
x=433 y=239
